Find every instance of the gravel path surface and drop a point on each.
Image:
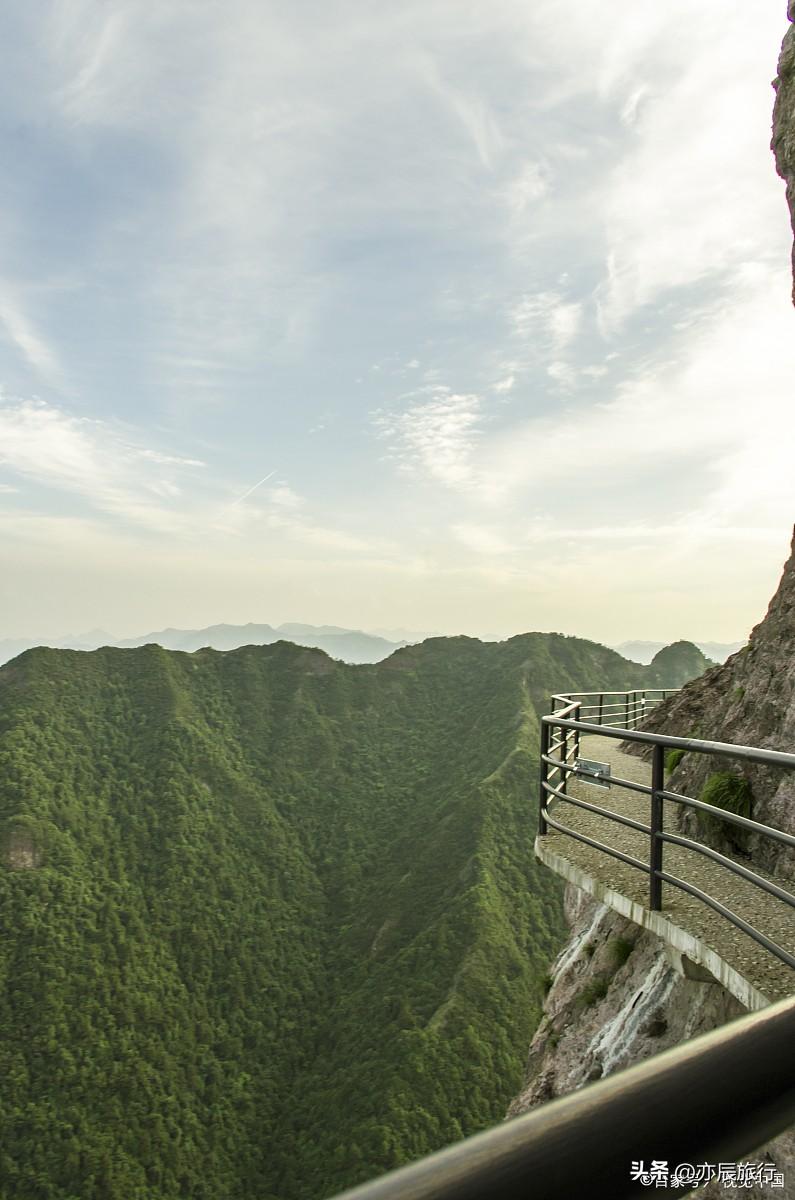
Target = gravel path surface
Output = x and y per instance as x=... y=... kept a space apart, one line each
x=766 y=913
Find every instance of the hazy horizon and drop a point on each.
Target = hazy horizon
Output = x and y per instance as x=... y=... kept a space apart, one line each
x=467 y=319
x=392 y=635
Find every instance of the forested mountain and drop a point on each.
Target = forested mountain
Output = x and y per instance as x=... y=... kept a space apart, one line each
x=677 y=664
x=644 y=652
x=351 y=645
x=271 y=924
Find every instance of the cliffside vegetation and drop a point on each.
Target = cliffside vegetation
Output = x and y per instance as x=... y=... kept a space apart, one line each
x=271 y=923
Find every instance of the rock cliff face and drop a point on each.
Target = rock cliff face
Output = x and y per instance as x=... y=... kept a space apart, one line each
x=617 y=996
x=749 y=700
x=783 y=144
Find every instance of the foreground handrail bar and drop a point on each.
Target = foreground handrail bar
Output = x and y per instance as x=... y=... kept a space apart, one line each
x=773 y=758
x=674 y=1107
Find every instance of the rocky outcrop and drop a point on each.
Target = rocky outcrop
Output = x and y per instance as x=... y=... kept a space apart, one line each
x=18 y=850
x=749 y=700
x=617 y=996
x=783 y=144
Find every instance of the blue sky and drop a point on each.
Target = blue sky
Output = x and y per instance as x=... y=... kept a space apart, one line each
x=492 y=299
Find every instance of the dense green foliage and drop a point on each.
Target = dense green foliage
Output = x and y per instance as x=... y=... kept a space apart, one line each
x=271 y=924
x=673 y=759
x=732 y=793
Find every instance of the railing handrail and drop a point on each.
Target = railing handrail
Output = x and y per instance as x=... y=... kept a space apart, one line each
x=713 y=1099
x=658 y=794
x=775 y=758
x=617 y=692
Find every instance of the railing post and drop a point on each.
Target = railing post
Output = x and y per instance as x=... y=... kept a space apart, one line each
x=656 y=848
x=601 y=704
x=564 y=754
x=626 y=710
x=543 y=773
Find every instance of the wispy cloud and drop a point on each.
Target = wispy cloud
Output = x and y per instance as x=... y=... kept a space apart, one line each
x=468 y=108
x=85 y=458
x=435 y=436
x=700 y=422
x=29 y=342
x=547 y=320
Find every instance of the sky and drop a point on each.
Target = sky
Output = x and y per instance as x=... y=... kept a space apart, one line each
x=439 y=315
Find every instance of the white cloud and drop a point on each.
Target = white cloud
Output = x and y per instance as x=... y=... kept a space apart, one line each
x=719 y=412
x=20 y=331
x=282 y=496
x=86 y=458
x=678 y=208
x=481 y=539
x=562 y=373
x=531 y=183
x=436 y=437
x=468 y=108
x=547 y=320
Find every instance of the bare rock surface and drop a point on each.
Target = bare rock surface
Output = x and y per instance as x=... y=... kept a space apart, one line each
x=783 y=144
x=617 y=997
x=748 y=701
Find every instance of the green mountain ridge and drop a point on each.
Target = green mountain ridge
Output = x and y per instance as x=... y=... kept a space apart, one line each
x=272 y=923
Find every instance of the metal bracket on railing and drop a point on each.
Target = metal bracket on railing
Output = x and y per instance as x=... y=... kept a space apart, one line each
x=595 y=773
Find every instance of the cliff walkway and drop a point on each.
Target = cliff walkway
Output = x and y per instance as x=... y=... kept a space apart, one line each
x=613 y=856
x=717 y=914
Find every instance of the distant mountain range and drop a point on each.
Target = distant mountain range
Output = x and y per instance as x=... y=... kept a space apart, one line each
x=644 y=652
x=349 y=645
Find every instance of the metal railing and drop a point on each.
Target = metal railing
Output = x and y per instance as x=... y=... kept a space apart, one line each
x=561 y=731
x=624 y=710
x=711 y=1100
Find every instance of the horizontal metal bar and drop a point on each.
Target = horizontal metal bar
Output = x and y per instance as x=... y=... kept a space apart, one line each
x=752 y=826
x=602 y=812
x=556 y=762
x=630 y=784
x=640 y=692
x=675 y=1107
x=753 y=933
x=736 y=868
x=774 y=758
x=580 y=837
